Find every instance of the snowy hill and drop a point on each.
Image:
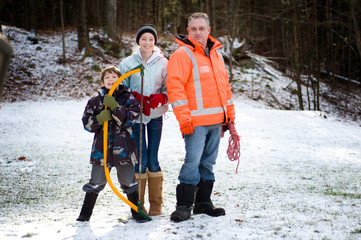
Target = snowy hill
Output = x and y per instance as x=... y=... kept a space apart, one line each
x=299 y=173
x=36 y=73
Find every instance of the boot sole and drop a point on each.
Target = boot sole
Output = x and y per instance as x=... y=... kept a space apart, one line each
x=178 y=219
x=212 y=215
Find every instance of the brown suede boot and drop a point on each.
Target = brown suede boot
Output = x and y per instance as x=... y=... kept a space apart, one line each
x=155 y=192
x=143 y=183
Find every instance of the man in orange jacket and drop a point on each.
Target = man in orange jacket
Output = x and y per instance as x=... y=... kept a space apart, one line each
x=201 y=98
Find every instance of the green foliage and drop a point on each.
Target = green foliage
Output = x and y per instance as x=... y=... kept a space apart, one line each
x=88 y=77
x=357 y=231
x=96 y=68
x=342 y=194
x=29 y=235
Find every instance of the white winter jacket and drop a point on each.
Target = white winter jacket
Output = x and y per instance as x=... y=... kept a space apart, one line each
x=154 y=80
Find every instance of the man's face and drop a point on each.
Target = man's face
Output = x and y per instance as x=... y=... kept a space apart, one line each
x=199 y=30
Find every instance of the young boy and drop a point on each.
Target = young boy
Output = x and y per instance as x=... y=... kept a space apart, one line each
x=122 y=110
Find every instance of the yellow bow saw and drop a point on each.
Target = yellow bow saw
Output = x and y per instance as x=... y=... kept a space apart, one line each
x=139 y=68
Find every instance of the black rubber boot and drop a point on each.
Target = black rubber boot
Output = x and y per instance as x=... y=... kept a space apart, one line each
x=88 y=205
x=203 y=203
x=185 y=199
x=133 y=197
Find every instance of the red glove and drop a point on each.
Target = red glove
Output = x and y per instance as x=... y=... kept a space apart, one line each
x=157 y=100
x=146 y=109
x=187 y=126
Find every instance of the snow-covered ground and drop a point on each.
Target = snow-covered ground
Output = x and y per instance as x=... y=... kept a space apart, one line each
x=299 y=178
x=299 y=174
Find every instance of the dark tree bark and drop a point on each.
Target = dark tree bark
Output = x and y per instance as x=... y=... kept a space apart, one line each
x=110 y=19
x=213 y=17
x=355 y=6
x=234 y=29
x=317 y=60
x=297 y=62
x=62 y=29
x=32 y=16
x=83 y=32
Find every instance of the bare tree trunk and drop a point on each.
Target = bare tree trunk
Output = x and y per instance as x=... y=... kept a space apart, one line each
x=62 y=28
x=110 y=19
x=309 y=82
x=83 y=33
x=208 y=11
x=297 y=56
x=32 y=16
x=214 y=21
x=355 y=4
x=317 y=60
x=349 y=60
x=234 y=25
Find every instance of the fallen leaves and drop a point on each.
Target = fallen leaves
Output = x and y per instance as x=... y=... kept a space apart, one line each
x=23 y=158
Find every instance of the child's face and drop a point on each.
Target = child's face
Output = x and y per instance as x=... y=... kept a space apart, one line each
x=146 y=42
x=109 y=79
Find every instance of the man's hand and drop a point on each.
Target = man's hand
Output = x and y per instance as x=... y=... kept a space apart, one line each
x=224 y=128
x=187 y=126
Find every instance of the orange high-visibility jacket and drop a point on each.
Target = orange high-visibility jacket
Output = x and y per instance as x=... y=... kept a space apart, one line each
x=199 y=90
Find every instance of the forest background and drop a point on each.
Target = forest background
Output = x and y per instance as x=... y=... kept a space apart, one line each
x=310 y=40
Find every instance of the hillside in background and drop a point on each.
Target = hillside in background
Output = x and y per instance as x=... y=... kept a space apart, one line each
x=298 y=175
x=37 y=73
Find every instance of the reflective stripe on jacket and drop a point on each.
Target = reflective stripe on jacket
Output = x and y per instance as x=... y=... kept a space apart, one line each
x=198 y=85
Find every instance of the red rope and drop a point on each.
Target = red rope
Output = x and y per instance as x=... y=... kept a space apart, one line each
x=234 y=147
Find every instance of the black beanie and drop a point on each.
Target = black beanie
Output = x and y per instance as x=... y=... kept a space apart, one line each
x=146 y=28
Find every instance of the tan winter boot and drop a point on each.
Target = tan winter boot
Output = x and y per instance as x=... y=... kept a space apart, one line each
x=143 y=183
x=155 y=191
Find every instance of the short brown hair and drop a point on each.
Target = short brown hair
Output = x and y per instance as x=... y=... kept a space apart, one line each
x=109 y=70
x=199 y=15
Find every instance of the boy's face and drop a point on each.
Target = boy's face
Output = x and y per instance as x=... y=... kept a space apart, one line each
x=109 y=79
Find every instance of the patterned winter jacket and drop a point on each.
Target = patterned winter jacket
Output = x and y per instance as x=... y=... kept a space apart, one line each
x=121 y=142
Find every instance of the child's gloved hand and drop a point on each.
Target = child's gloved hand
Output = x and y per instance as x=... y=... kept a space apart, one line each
x=104 y=116
x=110 y=102
x=146 y=109
x=157 y=100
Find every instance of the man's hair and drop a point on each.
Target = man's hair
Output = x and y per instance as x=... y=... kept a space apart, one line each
x=109 y=69
x=199 y=15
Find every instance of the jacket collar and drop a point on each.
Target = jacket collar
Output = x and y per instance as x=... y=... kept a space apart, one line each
x=155 y=56
x=117 y=92
x=183 y=40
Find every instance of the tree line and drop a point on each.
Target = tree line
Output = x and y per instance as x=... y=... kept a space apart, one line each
x=315 y=38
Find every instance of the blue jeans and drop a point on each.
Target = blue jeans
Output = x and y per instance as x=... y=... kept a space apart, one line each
x=150 y=144
x=201 y=154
